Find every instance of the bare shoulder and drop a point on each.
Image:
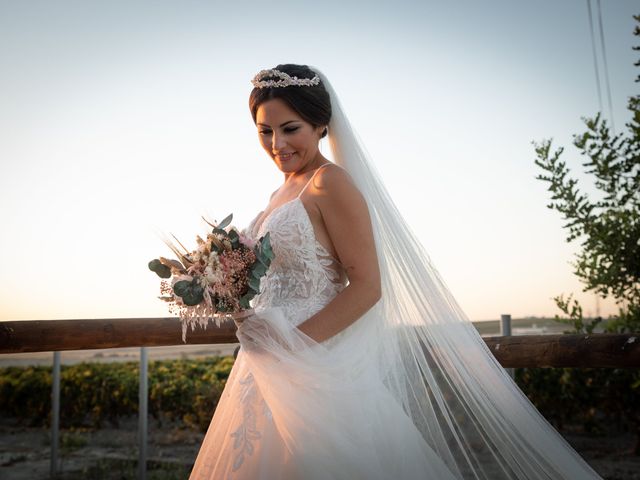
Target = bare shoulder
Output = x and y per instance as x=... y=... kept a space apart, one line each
x=336 y=183
x=346 y=217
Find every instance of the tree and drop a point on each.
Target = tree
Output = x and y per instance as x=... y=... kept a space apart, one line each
x=609 y=261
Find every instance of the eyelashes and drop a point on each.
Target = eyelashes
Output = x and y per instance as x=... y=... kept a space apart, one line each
x=287 y=130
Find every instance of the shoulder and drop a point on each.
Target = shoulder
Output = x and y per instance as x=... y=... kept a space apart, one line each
x=335 y=182
x=336 y=193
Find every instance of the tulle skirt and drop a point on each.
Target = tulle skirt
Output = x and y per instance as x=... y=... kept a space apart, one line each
x=282 y=420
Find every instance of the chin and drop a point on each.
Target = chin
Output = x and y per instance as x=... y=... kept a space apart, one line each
x=287 y=167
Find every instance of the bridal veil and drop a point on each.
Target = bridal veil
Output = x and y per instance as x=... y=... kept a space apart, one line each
x=419 y=346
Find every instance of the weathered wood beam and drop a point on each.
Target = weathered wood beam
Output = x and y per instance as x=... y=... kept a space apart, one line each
x=606 y=350
x=49 y=335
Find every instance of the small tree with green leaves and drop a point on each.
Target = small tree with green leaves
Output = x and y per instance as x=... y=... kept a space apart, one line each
x=608 y=264
x=609 y=261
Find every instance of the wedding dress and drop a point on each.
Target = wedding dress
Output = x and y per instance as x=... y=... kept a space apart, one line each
x=408 y=391
x=305 y=431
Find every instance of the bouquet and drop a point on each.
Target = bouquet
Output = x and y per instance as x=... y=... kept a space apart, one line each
x=218 y=278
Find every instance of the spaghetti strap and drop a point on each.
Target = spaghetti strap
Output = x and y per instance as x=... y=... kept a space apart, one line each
x=314 y=174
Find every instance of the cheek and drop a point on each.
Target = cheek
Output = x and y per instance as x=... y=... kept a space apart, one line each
x=265 y=141
x=303 y=141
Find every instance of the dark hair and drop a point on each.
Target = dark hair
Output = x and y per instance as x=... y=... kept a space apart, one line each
x=312 y=103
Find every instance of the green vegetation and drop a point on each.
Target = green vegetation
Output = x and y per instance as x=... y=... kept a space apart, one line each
x=595 y=398
x=188 y=391
x=609 y=263
x=92 y=393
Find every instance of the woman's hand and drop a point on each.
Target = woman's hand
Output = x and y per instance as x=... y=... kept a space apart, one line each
x=239 y=317
x=255 y=333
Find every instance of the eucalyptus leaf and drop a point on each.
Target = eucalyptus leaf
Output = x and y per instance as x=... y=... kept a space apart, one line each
x=224 y=223
x=263 y=250
x=191 y=292
x=258 y=269
x=161 y=270
x=244 y=301
x=254 y=284
x=265 y=247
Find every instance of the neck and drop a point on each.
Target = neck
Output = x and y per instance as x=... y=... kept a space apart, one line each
x=317 y=161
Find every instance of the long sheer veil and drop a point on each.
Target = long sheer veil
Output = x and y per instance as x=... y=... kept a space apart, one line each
x=420 y=345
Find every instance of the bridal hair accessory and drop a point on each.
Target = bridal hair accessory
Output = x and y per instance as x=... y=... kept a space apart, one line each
x=287 y=80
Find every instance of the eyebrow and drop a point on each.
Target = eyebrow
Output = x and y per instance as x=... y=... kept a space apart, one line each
x=265 y=125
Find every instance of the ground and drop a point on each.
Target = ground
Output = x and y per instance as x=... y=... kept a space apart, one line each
x=111 y=453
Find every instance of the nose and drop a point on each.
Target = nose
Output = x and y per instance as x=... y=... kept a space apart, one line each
x=278 y=142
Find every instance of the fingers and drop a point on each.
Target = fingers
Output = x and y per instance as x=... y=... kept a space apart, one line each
x=244 y=314
x=240 y=317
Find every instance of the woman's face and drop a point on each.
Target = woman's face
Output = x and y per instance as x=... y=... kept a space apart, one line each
x=289 y=140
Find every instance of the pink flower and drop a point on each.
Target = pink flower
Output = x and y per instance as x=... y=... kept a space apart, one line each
x=247 y=241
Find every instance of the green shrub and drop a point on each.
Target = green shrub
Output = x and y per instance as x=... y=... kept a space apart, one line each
x=92 y=393
x=188 y=391
x=594 y=398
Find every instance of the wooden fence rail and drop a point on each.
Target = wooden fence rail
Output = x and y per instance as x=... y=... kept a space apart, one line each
x=605 y=350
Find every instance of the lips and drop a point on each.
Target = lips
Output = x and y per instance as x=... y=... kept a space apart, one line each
x=284 y=156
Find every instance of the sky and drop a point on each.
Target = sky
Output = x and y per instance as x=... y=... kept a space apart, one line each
x=122 y=119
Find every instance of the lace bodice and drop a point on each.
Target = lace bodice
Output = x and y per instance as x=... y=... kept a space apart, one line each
x=303 y=276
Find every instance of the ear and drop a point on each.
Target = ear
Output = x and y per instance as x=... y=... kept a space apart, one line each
x=320 y=131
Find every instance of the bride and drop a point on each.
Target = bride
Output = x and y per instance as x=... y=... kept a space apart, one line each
x=355 y=361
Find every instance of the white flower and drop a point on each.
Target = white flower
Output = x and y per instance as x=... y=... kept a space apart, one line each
x=213 y=260
x=212 y=274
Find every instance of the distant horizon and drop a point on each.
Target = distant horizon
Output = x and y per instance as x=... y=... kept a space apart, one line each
x=526 y=317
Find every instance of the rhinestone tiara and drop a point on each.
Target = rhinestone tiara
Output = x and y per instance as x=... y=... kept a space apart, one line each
x=286 y=80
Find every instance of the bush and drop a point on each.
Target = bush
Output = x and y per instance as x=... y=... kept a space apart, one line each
x=595 y=398
x=92 y=393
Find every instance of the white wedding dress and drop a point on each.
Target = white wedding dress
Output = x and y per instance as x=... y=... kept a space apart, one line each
x=332 y=419
x=408 y=391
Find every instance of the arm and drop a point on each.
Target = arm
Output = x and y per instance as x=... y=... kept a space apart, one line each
x=346 y=217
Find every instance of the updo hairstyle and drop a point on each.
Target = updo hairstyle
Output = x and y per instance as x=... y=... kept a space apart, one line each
x=312 y=103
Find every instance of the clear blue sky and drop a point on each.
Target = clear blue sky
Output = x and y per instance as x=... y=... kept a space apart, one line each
x=119 y=118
